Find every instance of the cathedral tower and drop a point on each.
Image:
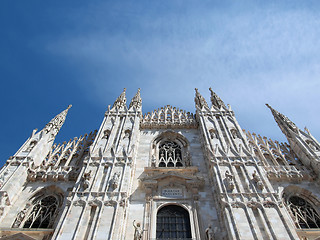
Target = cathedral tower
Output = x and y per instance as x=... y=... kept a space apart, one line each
x=165 y=174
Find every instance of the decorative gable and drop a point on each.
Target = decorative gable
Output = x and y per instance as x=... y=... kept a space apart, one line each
x=168 y=117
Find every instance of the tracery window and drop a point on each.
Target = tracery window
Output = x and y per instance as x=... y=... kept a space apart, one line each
x=302 y=212
x=43 y=212
x=170 y=154
x=173 y=222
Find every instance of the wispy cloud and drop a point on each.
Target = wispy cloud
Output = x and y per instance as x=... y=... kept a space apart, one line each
x=249 y=54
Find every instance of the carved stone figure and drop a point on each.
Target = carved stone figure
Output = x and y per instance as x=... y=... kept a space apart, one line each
x=209 y=233
x=213 y=134
x=138 y=232
x=229 y=180
x=115 y=180
x=234 y=133
x=106 y=134
x=187 y=159
x=5 y=201
x=127 y=134
x=228 y=175
x=32 y=174
x=86 y=180
x=31 y=146
x=21 y=215
x=153 y=161
x=256 y=178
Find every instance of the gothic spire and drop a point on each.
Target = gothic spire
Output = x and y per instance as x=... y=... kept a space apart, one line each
x=199 y=100
x=56 y=123
x=216 y=100
x=136 y=100
x=283 y=122
x=121 y=100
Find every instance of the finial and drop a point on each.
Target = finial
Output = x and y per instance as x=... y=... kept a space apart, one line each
x=56 y=123
x=136 y=100
x=283 y=121
x=121 y=100
x=216 y=100
x=199 y=100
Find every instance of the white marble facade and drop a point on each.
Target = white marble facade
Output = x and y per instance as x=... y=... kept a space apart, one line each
x=161 y=175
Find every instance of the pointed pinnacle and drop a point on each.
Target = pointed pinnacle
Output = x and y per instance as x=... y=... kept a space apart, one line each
x=216 y=100
x=121 y=100
x=199 y=100
x=56 y=123
x=136 y=100
x=283 y=121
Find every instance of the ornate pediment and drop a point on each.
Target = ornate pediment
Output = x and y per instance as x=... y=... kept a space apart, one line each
x=153 y=177
x=168 y=116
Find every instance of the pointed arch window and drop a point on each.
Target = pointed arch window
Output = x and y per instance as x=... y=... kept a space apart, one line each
x=303 y=213
x=43 y=212
x=170 y=154
x=173 y=222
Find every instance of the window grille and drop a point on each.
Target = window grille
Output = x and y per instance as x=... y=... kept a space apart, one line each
x=43 y=213
x=303 y=214
x=170 y=155
x=173 y=222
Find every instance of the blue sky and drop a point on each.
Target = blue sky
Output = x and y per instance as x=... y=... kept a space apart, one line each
x=55 y=53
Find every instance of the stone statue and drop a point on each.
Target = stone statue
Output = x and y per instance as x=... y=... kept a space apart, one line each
x=4 y=199
x=31 y=146
x=229 y=180
x=209 y=233
x=255 y=176
x=106 y=134
x=213 y=134
x=187 y=159
x=127 y=134
x=228 y=175
x=234 y=134
x=153 y=161
x=21 y=215
x=115 y=180
x=137 y=231
x=86 y=178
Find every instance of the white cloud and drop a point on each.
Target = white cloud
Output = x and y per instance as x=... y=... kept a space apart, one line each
x=269 y=54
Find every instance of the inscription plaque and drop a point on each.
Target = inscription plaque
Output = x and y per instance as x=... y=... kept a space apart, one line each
x=172 y=192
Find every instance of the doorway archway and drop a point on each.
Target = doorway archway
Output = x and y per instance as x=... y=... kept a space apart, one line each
x=173 y=222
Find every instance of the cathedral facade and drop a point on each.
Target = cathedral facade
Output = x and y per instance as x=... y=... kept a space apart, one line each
x=168 y=174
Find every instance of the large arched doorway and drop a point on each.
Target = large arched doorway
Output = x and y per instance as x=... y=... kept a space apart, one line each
x=173 y=222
